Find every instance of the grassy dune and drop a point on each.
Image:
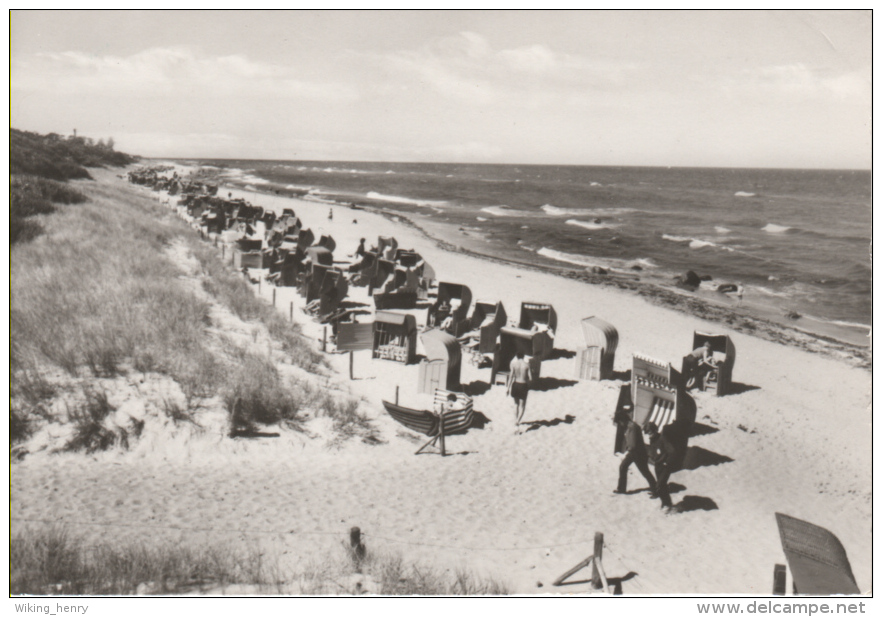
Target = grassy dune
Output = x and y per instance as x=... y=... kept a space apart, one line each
x=97 y=295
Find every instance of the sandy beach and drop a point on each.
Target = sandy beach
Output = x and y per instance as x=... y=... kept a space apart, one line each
x=795 y=438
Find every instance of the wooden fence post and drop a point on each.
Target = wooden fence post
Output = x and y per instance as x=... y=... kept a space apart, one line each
x=396 y=395
x=356 y=547
x=291 y=312
x=325 y=338
x=274 y=296
x=351 y=360
x=596 y=581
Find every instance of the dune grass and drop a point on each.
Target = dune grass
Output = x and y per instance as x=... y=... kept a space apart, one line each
x=98 y=296
x=52 y=561
x=231 y=290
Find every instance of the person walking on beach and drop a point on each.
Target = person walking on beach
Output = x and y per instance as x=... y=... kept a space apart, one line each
x=635 y=453
x=330 y=214
x=359 y=252
x=662 y=454
x=740 y=293
x=518 y=385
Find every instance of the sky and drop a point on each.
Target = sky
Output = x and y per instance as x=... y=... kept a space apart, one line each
x=670 y=88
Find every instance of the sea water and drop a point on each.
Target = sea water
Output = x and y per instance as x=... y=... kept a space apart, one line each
x=798 y=240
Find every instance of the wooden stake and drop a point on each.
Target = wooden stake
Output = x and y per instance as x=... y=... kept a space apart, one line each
x=396 y=395
x=356 y=547
x=325 y=338
x=779 y=580
x=572 y=571
x=274 y=296
x=291 y=312
x=596 y=581
x=259 y=278
x=351 y=360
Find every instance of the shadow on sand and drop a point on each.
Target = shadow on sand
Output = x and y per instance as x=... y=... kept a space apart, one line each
x=537 y=424
x=699 y=457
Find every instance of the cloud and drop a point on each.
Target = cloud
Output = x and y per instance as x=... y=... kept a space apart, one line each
x=468 y=69
x=177 y=70
x=801 y=81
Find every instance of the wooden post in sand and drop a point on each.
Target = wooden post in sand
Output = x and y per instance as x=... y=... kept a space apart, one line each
x=356 y=548
x=291 y=312
x=325 y=338
x=223 y=251
x=596 y=581
x=351 y=360
x=274 y=296
x=259 y=278
x=396 y=395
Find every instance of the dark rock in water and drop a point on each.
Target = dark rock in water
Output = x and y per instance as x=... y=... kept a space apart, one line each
x=598 y=270
x=637 y=267
x=706 y=277
x=792 y=315
x=690 y=280
x=727 y=288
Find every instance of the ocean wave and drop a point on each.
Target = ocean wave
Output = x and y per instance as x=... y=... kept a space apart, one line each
x=482 y=219
x=397 y=199
x=592 y=225
x=578 y=260
x=695 y=243
x=556 y=211
x=722 y=230
x=500 y=211
x=744 y=194
x=776 y=229
x=770 y=292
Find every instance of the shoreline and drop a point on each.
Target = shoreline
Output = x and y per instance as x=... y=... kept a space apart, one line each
x=764 y=325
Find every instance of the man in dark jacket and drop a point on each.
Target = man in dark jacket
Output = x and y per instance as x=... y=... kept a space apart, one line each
x=663 y=454
x=635 y=453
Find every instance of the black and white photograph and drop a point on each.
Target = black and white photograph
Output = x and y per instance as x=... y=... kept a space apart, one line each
x=486 y=303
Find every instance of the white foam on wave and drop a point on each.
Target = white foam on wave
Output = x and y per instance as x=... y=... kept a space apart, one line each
x=744 y=194
x=579 y=260
x=397 y=199
x=591 y=225
x=722 y=230
x=499 y=211
x=596 y=184
x=482 y=219
x=775 y=229
x=556 y=211
x=696 y=243
x=770 y=292
x=675 y=238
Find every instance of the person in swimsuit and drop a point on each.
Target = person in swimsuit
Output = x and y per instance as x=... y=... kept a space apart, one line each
x=518 y=385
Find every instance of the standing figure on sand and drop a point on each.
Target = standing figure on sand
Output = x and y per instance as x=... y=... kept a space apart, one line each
x=662 y=454
x=330 y=215
x=635 y=453
x=518 y=385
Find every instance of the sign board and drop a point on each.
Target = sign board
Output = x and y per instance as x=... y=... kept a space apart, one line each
x=355 y=336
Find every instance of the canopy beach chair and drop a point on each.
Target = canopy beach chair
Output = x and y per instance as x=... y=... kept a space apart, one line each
x=653 y=392
x=541 y=318
x=394 y=337
x=818 y=563
x=442 y=364
x=487 y=319
x=717 y=378
x=451 y=309
x=511 y=341
x=596 y=358
x=445 y=419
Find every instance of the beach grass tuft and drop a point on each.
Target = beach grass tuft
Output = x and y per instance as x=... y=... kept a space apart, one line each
x=54 y=562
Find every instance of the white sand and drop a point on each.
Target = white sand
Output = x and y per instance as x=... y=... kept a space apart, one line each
x=521 y=508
